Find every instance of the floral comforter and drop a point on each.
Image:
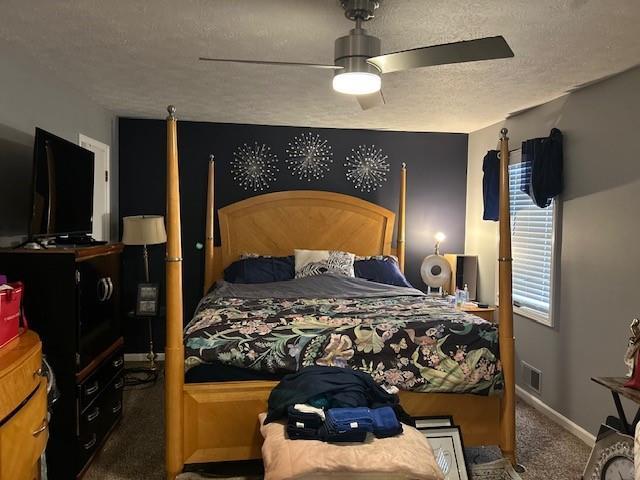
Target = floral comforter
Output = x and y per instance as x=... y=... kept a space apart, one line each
x=399 y=336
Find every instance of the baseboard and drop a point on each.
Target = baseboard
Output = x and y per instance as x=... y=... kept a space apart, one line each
x=556 y=417
x=141 y=357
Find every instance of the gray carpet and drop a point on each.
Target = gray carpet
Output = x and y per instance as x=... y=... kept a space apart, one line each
x=135 y=449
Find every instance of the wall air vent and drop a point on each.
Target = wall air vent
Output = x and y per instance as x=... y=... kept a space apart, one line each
x=531 y=376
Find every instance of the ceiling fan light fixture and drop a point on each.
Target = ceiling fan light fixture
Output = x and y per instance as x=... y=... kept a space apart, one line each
x=357 y=83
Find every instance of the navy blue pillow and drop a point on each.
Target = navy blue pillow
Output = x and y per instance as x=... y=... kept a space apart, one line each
x=380 y=271
x=261 y=270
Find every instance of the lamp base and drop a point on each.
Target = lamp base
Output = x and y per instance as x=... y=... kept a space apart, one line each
x=134 y=377
x=434 y=291
x=152 y=357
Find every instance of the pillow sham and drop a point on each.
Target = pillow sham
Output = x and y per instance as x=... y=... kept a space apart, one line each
x=381 y=269
x=318 y=262
x=260 y=270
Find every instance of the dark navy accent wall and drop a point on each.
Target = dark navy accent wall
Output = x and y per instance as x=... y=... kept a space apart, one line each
x=436 y=190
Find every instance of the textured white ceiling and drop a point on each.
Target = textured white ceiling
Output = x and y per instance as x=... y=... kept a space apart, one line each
x=136 y=56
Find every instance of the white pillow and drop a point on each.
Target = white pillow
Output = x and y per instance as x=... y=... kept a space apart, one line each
x=318 y=262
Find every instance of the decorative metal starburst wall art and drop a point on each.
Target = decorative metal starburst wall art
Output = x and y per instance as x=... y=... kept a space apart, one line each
x=254 y=167
x=309 y=156
x=367 y=167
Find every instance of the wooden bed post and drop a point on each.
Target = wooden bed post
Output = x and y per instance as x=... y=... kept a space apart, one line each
x=402 y=216
x=174 y=350
x=505 y=311
x=209 y=245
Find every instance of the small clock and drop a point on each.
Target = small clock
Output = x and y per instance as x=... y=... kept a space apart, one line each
x=611 y=457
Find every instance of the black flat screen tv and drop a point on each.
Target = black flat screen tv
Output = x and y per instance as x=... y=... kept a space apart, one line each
x=62 y=201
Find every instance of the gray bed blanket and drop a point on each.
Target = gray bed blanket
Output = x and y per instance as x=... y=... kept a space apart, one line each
x=318 y=286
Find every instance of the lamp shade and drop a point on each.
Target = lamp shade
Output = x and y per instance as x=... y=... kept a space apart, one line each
x=143 y=230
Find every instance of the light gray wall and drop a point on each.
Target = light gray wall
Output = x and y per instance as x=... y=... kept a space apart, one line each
x=30 y=96
x=596 y=291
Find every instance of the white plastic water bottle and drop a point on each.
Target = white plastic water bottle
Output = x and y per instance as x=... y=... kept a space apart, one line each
x=465 y=294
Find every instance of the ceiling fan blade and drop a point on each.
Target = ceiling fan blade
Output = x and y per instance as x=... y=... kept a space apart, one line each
x=371 y=100
x=488 y=48
x=265 y=62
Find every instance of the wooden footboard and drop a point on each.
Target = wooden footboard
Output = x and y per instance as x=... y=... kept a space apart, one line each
x=221 y=419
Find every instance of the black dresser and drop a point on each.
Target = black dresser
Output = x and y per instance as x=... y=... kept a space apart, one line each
x=72 y=302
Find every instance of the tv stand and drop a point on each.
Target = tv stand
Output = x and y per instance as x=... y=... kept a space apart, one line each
x=79 y=240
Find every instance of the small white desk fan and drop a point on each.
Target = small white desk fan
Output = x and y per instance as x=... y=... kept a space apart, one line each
x=435 y=270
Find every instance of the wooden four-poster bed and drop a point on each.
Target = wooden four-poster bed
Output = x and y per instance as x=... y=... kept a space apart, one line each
x=214 y=422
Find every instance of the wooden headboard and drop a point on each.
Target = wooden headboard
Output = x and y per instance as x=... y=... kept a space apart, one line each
x=277 y=223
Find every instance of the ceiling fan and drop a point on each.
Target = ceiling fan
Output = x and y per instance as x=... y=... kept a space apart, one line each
x=358 y=63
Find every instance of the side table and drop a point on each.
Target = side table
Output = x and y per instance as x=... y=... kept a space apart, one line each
x=617 y=388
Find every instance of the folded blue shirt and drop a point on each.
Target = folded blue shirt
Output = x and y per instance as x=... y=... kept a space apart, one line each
x=385 y=422
x=341 y=420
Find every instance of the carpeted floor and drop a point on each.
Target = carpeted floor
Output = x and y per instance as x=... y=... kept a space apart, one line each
x=135 y=449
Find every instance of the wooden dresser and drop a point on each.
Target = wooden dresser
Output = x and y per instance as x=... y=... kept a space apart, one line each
x=23 y=408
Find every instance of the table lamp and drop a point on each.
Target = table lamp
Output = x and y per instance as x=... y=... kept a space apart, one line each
x=145 y=230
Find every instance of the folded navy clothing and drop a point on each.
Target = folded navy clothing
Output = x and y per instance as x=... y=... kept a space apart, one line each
x=302 y=433
x=343 y=424
x=303 y=419
x=328 y=386
x=341 y=420
x=385 y=422
x=329 y=435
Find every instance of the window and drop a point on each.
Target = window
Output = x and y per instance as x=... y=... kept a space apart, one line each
x=532 y=243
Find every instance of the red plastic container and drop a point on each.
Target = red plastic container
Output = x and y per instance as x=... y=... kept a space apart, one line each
x=11 y=315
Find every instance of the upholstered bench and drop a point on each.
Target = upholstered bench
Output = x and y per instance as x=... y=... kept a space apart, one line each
x=406 y=456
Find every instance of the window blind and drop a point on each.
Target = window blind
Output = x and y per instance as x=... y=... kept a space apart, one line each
x=532 y=245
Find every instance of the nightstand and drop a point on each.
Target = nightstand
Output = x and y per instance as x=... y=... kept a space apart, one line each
x=484 y=313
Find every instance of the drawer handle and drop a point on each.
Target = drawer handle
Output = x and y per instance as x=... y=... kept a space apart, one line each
x=102 y=290
x=118 y=362
x=92 y=389
x=41 y=428
x=93 y=415
x=90 y=443
x=119 y=384
x=117 y=408
x=110 y=287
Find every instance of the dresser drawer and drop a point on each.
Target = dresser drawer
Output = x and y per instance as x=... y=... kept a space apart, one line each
x=22 y=377
x=24 y=436
x=99 y=418
x=94 y=384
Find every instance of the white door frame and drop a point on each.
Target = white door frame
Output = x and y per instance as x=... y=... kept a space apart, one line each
x=96 y=147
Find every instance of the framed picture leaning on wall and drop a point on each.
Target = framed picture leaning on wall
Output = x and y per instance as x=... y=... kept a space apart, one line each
x=147 y=300
x=446 y=441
